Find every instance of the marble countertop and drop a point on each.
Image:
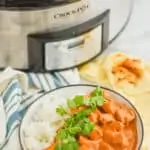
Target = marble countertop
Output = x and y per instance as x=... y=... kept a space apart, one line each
x=136 y=37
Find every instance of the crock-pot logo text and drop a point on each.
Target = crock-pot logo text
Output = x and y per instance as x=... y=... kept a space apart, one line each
x=71 y=12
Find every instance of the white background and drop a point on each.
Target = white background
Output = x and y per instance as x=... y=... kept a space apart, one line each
x=136 y=38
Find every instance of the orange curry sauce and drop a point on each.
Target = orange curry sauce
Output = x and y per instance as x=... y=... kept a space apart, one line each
x=115 y=128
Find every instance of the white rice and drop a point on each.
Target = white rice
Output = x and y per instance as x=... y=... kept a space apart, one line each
x=43 y=125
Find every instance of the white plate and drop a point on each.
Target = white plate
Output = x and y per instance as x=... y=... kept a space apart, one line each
x=70 y=91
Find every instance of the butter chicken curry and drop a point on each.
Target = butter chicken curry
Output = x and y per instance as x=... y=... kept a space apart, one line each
x=96 y=122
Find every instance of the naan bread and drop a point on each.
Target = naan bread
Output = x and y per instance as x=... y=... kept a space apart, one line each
x=142 y=104
x=95 y=72
x=108 y=71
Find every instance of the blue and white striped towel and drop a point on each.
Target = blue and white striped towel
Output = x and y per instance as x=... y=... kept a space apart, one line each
x=18 y=91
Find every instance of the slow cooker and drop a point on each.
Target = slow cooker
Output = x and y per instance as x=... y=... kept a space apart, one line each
x=50 y=35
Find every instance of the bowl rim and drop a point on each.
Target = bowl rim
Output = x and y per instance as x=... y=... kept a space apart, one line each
x=84 y=85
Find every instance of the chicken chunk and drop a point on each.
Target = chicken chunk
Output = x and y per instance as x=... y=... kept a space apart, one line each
x=105 y=146
x=96 y=134
x=110 y=107
x=94 y=116
x=88 y=144
x=125 y=115
x=115 y=134
x=106 y=118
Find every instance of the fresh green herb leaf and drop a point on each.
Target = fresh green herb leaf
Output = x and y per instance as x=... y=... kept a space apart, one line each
x=87 y=128
x=100 y=101
x=61 y=111
x=62 y=133
x=83 y=113
x=66 y=146
x=70 y=145
x=97 y=92
x=70 y=122
x=71 y=103
x=58 y=147
x=87 y=102
x=75 y=146
x=97 y=101
x=76 y=101
x=79 y=100
x=75 y=118
x=75 y=130
x=86 y=125
x=71 y=139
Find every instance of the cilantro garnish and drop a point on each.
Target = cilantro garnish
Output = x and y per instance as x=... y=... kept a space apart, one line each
x=97 y=92
x=78 y=123
x=76 y=101
x=61 y=111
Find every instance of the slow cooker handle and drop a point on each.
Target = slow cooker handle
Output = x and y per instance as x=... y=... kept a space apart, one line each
x=37 y=41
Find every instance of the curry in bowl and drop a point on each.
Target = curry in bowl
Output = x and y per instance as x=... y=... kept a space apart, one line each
x=96 y=121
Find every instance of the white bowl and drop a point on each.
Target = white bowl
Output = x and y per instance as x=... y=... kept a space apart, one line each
x=70 y=91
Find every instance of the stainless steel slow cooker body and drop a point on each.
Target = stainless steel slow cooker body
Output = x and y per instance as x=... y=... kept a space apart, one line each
x=28 y=41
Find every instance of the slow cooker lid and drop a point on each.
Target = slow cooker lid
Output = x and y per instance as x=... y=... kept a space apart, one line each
x=33 y=3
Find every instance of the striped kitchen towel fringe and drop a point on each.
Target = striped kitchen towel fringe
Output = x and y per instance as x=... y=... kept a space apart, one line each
x=16 y=103
x=53 y=80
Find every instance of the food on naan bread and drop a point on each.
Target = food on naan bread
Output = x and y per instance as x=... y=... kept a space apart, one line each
x=121 y=72
x=127 y=74
x=130 y=70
